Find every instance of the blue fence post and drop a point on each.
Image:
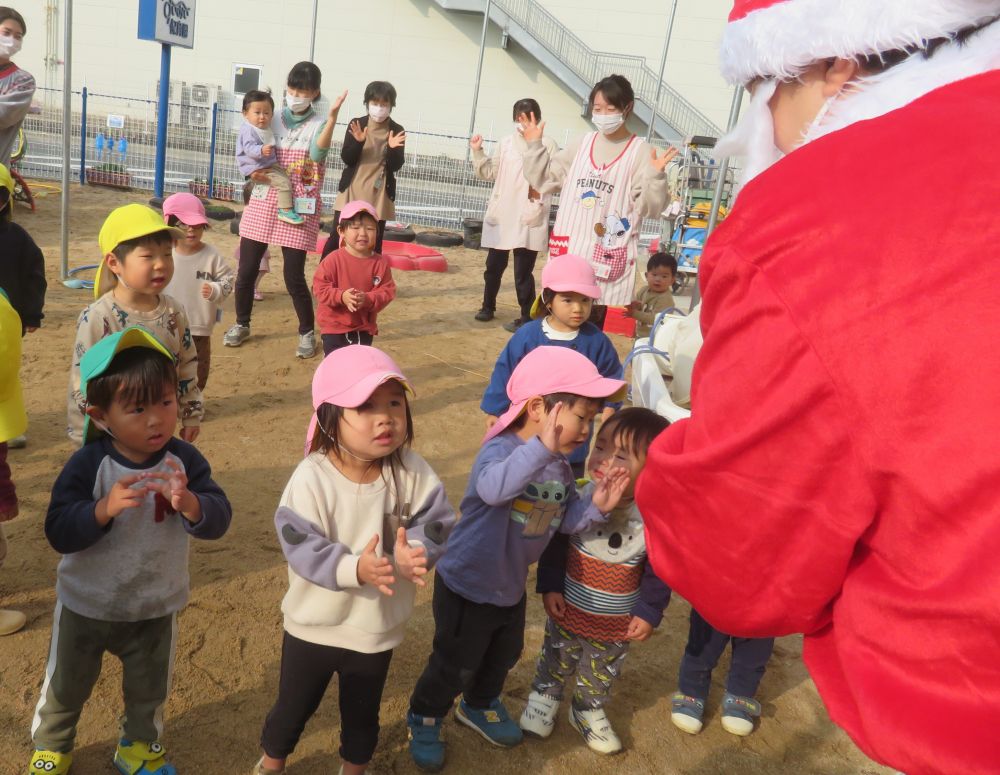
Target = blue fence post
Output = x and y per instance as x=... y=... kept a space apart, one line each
x=161 y=121
x=83 y=138
x=211 y=151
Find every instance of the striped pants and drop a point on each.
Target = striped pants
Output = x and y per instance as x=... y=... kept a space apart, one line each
x=596 y=665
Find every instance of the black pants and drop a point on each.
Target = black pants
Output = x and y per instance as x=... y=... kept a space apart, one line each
x=306 y=670
x=598 y=312
x=704 y=647
x=524 y=280
x=475 y=646
x=333 y=342
x=251 y=252
x=333 y=242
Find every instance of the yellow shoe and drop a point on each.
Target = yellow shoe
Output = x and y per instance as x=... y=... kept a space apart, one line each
x=49 y=763
x=142 y=759
x=11 y=622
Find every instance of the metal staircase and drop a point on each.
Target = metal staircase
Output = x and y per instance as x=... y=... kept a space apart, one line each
x=579 y=67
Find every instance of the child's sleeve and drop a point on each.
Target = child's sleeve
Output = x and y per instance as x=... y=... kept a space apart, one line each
x=657 y=303
x=189 y=396
x=495 y=400
x=581 y=513
x=225 y=279
x=501 y=475
x=551 y=573
x=34 y=283
x=91 y=326
x=433 y=516
x=546 y=171
x=385 y=291
x=325 y=284
x=654 y=595
x=216 y=511
x=650 y=190
x=71 y=520
x=249 y=143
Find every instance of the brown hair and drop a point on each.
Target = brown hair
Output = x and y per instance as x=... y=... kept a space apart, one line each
x=616 y=90
x=635 y=428
x=134 y=376
x=9 y=13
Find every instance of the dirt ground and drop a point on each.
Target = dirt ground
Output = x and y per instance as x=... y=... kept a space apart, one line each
x=228 y=653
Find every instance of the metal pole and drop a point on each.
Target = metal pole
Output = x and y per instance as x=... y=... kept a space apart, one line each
x=83 y=137
x=720 y=183
x=312 y=34
x=475 y=104
x=67 y=131
x=663 y=65
x=162 y=116
x=211 y=151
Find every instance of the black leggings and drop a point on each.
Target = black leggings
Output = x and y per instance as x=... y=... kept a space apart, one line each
x=306 y=671
x=251 y=252
x=334 y=240
x=524 y=281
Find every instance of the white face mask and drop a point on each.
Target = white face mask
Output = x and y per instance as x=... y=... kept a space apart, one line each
x=297 y=104
x=752 y=139
x=609 y=123
x=378 y=112
x=9 y=45
x=519 y=127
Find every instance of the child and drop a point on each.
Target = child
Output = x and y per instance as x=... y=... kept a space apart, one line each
x=568 y=291
x=136 y=268
x=661 y=271
x=599 y=593
x=255 y=152
x=22 y=270
x=353 y=283
x=520 y=492
x=121 y=512
x=361 y=521
x=13 y=421
x=202 y=279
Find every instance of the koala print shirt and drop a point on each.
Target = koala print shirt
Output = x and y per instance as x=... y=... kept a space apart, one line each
x=519 y=494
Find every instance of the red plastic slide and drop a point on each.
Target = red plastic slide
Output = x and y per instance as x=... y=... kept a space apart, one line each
x=405 y=256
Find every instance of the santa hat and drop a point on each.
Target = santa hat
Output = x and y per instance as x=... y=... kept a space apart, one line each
x=780 y=38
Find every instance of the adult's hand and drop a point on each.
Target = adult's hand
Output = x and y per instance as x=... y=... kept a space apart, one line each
x=476 y=143
x=533 y=130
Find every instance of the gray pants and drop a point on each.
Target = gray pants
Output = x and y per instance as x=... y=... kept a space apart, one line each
x=596 y=665
x=146 y=651
x=277 y=178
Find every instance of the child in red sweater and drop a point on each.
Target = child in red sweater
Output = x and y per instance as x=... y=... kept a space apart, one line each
x=353 y=283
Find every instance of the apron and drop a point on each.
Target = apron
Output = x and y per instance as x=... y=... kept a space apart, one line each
x=260 y=218
x=597 y=219
x=512 y=220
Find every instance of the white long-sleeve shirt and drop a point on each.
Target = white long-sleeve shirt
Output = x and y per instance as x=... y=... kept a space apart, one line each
x=190 y=273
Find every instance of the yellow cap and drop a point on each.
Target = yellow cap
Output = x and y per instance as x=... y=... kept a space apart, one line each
x=125 y=223
x=13 y=419
x=6 y=180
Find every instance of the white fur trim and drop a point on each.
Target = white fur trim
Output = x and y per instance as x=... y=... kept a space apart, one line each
x=783 y=39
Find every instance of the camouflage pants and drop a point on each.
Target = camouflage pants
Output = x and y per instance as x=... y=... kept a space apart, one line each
x=596 y=665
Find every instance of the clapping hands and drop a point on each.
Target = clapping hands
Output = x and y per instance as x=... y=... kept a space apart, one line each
x=411 y=562
x=173 y=487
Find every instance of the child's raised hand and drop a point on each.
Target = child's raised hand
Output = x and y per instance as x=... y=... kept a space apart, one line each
x=552 y=430
x=532 y=129
x=610 y=488
x=173 y=487
x=411 y=561
x=122 y=496
x=638 y=629
x=396 y=140
x=355 y=129
x=555 y=605
x=476 y=143
x=375 y=570
x=660 y=162
x=335 y=107
x=206 y=291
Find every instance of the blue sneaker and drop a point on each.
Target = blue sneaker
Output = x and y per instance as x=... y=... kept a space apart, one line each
x=738 y=714
x=493 y=723
x=686 y=712
x=426 y=745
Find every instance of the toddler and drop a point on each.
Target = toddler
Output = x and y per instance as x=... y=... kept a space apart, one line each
x=520 y=492
x=121 y=514
x=255 y=151
x=600 y=594
x=202 y=279
x=661 y=271
x=361 y=521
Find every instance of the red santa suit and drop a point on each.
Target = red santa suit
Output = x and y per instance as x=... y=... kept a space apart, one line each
x=840 y=473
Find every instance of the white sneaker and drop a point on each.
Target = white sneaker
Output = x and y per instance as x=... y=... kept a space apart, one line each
x=539 y=717
x=596 y=730
x=236 y=335
x=307 y=346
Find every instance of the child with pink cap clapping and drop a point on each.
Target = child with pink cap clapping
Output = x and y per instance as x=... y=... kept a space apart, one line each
x=521 y=491
x=202 y=279
x=361 y=521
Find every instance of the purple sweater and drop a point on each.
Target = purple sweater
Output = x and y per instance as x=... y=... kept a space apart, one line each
x=248 y=151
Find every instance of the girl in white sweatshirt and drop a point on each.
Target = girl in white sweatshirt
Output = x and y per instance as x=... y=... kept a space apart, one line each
x=361 y=521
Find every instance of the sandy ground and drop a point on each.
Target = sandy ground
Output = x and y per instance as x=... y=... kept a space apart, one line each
x=228 y=654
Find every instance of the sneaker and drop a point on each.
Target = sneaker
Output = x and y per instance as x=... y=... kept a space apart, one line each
x=426 y=745
x=257 y=295
x=493 y=723
x=49 y=763
x=539 y=717
x=307 y=346
x=260 y=769
x=236 y=335
x=596 y=730
x=513 y=325
x=141 y=759
x=18 y=442
x=686 y=712
x=290 y=216
x=484 y=315
x=738 y=714
x=11 y=621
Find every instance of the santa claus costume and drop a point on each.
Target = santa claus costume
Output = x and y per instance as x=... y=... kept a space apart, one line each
x=841 y=460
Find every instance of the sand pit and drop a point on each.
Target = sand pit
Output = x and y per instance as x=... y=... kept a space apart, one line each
x=227 y=659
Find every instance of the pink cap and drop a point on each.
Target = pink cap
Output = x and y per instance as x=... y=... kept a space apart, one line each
x=357 y=206
x=187 y=208
x=348 y=376
x=567 y=273
x=547 y=370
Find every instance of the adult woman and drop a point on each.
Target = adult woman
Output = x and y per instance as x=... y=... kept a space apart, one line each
x=302 y=140
x=17 y=86
x=372 y=154
x=517 y=216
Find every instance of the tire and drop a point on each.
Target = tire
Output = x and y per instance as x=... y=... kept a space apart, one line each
x=439 y=239
x=220 y=212
x=156 y=203
x=400 y=235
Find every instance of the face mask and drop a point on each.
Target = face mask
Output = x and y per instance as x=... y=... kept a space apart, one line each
x=813 y=130
x=378 y=112
x=9 y=45
x=752 y=140
x=297 y=104
x=608 y=124
x=518 y=127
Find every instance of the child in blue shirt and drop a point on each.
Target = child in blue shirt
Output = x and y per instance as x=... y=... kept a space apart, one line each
x=520 y=492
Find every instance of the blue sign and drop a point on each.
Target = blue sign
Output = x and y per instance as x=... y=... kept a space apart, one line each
x=167 y=21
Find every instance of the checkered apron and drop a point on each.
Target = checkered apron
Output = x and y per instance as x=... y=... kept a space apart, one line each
x=260 y=221
x=594 y=207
